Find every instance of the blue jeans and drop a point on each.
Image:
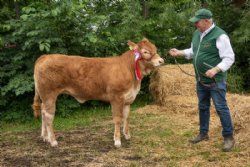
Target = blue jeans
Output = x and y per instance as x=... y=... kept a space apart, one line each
x=218 y=94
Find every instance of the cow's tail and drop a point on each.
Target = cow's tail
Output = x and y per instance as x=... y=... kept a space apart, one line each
x=37 y=105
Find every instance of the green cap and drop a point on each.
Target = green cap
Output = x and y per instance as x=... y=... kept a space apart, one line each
x=201 y=14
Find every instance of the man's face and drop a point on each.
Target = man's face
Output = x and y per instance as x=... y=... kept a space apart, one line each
x=202 y=25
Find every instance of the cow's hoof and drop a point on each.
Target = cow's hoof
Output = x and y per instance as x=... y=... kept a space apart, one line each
x=54 y=143
x=118 y=143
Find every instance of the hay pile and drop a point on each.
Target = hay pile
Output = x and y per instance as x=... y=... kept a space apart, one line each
x=174 y=90
x=240 y=110
x=171 y=87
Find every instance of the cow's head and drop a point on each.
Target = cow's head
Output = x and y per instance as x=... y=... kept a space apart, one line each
x=149 y=56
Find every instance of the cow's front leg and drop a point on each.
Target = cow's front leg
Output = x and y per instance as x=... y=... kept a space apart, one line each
x=117 y=133
x=117 y=118
x=126 y=110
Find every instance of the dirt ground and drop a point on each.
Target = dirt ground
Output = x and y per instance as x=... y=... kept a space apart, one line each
x=159 y=138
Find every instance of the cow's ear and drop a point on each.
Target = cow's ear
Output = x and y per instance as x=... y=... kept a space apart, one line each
x=132 y=45
x=145 y=40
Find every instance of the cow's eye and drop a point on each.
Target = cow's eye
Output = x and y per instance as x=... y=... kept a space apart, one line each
x=145 y=52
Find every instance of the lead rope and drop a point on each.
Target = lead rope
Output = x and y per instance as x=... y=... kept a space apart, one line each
x=206 y=85
x=182 y=69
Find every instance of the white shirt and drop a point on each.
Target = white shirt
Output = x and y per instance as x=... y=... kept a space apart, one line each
x=223 y=45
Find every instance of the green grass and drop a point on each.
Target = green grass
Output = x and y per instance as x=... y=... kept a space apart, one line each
x=80 y=118
x=83 y=118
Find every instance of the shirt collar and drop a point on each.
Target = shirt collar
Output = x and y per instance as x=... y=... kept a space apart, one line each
x=208 y=30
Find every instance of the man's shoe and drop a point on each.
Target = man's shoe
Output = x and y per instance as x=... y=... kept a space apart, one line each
x=228 y=143
x=199 y=138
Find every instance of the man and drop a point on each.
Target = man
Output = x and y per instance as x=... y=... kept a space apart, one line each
x=212 y=56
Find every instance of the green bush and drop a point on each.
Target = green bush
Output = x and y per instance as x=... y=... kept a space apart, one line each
x=241 y=41
x=19 y=109
x=235 y=81
x=66 y=105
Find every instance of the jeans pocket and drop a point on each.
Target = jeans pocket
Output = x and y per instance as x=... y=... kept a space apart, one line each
x=222 y=85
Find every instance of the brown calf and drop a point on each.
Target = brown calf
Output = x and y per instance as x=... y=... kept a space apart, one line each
x=115 y=79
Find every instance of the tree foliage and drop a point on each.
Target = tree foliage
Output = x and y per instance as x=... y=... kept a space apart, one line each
x=93 y=28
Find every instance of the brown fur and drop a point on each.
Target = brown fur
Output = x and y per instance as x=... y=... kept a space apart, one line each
x=109 y=79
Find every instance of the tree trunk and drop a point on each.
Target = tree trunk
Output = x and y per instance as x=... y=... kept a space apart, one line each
x=145 y=8
x=239 y=3
x=17 y=9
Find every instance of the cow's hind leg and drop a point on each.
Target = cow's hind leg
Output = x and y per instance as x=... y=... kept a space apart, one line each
x=44 y=133
x=126 y=110
x=49 y=117
x=117 y=118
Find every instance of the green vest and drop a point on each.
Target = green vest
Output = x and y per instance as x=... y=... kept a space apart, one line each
x=206 y=55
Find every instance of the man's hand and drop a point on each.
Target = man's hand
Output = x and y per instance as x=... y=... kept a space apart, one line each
x=212 y=72
x=175 y=52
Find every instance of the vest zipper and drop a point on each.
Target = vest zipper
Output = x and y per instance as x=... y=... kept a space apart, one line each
x=195 y=61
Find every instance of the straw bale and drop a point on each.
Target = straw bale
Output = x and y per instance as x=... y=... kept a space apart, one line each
x=168 y=84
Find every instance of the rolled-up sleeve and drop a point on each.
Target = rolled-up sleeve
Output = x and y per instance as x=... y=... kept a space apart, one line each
x=188 y=53
x=225 y=51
